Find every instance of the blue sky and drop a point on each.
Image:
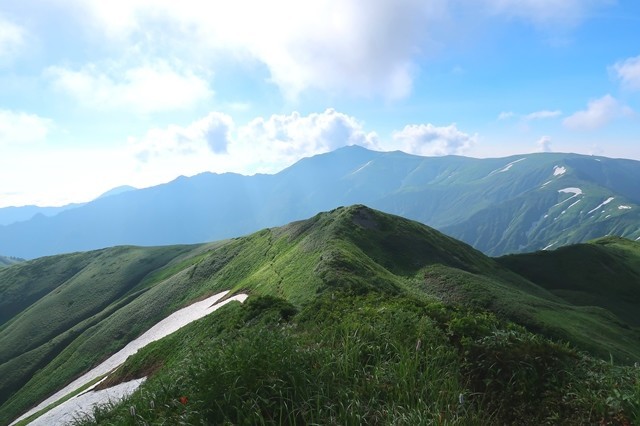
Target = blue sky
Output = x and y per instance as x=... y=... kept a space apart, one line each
x=97 y=94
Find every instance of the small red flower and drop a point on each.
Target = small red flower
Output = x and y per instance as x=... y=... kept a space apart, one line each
x=183 y=400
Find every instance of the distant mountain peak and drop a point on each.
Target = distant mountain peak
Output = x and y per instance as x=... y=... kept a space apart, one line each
x=116 y=191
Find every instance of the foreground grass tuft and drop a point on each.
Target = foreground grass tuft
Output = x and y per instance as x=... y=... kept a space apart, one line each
x=370 y=359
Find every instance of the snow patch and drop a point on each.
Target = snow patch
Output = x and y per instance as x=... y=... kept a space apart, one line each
x=559 y=171
x=565 y=210
x=550 y=245
x=507 y=167
x=624 y=207
x=172 y=323
x=545 y=184
x=604 y=203
x=575 y=191
x=82 y=405
x=363 y=167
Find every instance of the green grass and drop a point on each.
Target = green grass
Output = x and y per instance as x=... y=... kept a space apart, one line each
x=359 y=278
x=605 y=273
x=8 y=261
x=370 y=359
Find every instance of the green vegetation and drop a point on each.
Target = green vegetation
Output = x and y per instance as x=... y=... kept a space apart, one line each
x=355 y=316
x=370 y=359
x=7 y=261
x=604 y=272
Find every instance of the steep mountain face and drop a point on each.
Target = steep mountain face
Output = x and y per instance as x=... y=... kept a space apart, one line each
x=64 y=314
x=499 y=206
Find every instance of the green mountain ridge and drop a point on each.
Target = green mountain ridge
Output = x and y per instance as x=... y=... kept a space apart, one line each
x=6 y=261
x=498 y=205
x=353 y=259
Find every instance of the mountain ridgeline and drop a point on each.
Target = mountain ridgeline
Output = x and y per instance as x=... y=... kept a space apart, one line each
x=499 y=206
x=6 y=261
x=350 y=305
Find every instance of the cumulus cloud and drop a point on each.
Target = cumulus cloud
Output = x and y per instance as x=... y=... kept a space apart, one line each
x=21 y=127
x=427 y=139
x=152 y=87
x=628 y=72
x=216 y=143
x=544 y=144
x=210 y=134
x=12 y=38
x=599 y=113
x=359 y=47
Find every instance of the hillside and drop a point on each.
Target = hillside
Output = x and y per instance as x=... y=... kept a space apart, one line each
x=341 y=270
x=499 y=206
x=6 y=261
x=604 y=272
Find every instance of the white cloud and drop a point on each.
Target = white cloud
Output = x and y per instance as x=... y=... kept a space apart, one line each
x=152 y=87
x=427 y=139
x=20 y=127
x=359 y=47
x=209 y=135
x=599 y=113
x=540 y=115
x=628 y=71
x=281 y=140
x=12 y=38
x=266 y=145
x=544 y=144
x=505 y=115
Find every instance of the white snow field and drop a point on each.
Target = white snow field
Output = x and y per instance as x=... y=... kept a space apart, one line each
x=604 y=203
x=82 y=405
x=172 y=323
x=507 y=167
x=574 y=191
x=559 y=171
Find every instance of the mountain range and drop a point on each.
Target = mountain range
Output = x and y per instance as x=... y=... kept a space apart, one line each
x=363 y=293
x=500 y=205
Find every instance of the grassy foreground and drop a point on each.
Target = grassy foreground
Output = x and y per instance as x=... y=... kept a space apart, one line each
x=368 y=359
x=355 y=316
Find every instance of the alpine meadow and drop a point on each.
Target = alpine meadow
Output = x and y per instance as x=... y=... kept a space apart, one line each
x=329 y=212
x=354 y=316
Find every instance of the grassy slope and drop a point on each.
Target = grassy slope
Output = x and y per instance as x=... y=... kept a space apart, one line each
x=374 y=358
x=8 y=261
x=353 y=250
x=64 y=297
x=604 y=272
x=374 y=338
